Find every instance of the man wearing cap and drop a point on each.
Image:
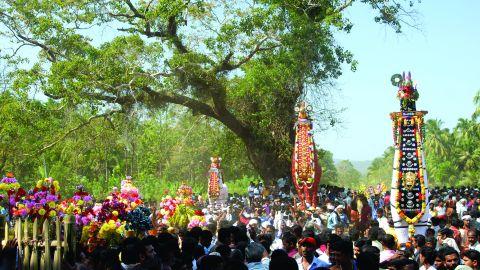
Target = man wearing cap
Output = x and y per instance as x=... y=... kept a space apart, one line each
x=308 y=261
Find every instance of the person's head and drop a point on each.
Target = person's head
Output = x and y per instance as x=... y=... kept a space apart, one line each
x=472 y=237
x=430 y=232
x=388 y=242
x=339 y=209
x=450 y=258
x=427 y=255
x=254 y=252
x=430 y=241
x=339 y=229
x=466 y=221
x=368 y=258
x=445 y=233
x=224 y=236
x=206 y=238
x=306 y=247
x=270 y=229
x=210 y=262
x=418 y=241
x=289 y=241
x=379 y=212
x=471 y=258
x=373 y=233
x=282 y=262
x=357 y=247
x=438 y=263
x=147 y=251
x=341 y=252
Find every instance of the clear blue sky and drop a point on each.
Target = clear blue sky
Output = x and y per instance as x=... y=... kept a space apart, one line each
x=444 y=58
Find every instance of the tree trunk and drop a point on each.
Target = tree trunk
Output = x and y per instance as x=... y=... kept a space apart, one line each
x=266 y=162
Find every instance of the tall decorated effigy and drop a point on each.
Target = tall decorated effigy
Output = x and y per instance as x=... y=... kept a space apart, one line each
x=409 y=195
x=306 y=171
x=216 y=187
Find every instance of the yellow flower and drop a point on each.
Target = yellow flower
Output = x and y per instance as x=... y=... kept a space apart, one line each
x=41 y=212
x=133 y=204
x=53 y=213
x=80 y=202
x=115 y=213
x=39 y=183
x=51 y=204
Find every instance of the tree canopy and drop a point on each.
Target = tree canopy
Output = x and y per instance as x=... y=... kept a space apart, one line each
x=243 y=63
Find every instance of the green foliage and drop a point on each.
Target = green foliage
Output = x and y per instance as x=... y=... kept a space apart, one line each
x=380 y=170
x=348 y=176
x=243 y=63
x=329 y=171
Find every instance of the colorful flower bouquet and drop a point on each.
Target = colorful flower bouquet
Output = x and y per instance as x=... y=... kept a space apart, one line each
x=80 y=205
x=112 y=208
x=112 y=232
x=9 y=183
x=41 y=202
x=129 y=193
x=197 y=221
x=167 y=209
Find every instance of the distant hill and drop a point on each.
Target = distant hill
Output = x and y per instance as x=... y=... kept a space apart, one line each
x=361 y=165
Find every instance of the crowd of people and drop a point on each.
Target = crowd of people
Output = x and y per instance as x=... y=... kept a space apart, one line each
x=267 y=229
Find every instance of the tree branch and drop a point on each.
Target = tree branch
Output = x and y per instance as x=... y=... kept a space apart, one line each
x=89 y=120
x=227 y=66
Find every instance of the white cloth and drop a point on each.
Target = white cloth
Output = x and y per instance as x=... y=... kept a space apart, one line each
x=431 y=267
x=383 y=223
x=316 y=263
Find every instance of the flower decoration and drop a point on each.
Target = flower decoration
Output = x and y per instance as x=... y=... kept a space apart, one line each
x=139 y=219
x=184 y=191
x=197 y=221
x=167 y=208
x=129 y=194
x=9 y=182
x=80 y=205
x=41 y=202
x=112 y=232
x=112 y=208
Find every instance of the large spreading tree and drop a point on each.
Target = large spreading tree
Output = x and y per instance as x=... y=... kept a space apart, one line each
x=244 y=63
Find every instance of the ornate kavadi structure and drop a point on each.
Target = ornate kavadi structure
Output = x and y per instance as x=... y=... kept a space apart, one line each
x=409 y=194
x=306 y=171
x=215 y=181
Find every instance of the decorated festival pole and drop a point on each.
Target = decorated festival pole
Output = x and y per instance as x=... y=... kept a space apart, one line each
x=306 y=171
x=409 y=194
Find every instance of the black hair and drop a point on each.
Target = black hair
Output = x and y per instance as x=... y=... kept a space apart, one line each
x=388 y=241
x=345 y=247
x=429 y=253
x=445 y=251
x=472 y=254
x=420 y=240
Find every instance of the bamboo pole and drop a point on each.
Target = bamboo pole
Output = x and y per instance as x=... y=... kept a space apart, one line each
x=34 y=257
x=25 y=242
x=46 y=253
x=57 y=258
x=69 y=245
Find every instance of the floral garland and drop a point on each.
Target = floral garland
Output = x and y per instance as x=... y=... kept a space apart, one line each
x=304 y=155
x=168 y=205
x=129 y=194
x=422 y=196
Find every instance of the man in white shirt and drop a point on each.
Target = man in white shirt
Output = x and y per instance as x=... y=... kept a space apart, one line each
x=308 y=261
x=472 y=240
x=382 y=220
